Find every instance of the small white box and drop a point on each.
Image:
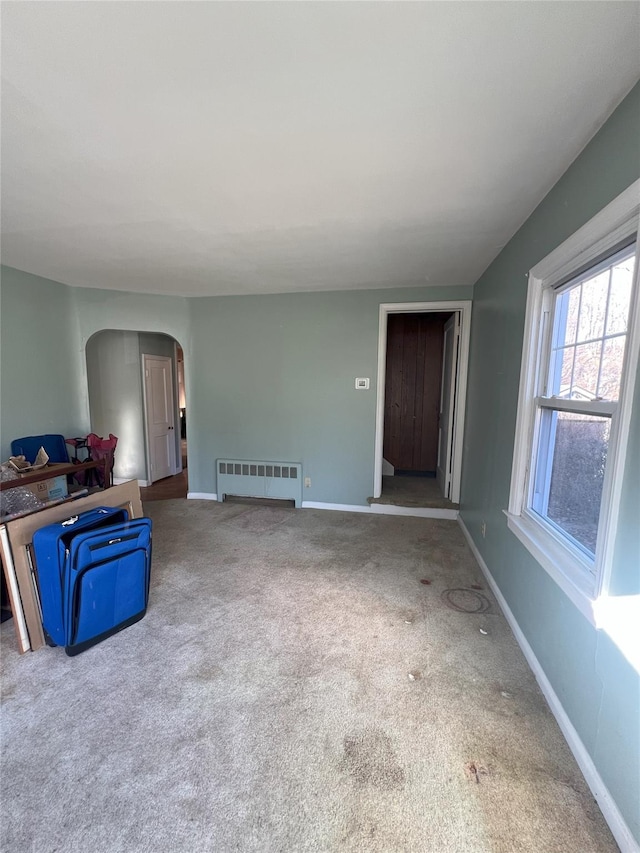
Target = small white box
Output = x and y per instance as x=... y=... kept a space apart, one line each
x=362 y=384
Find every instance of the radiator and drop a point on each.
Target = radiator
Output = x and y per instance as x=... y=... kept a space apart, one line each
x=253 y=479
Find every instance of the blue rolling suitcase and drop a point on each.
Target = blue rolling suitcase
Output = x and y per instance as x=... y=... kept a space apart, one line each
x=93 y=573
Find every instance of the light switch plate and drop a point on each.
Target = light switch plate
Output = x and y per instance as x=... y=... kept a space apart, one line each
x=362 y=384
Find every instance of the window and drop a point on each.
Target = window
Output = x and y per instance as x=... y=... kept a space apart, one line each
x=587 y=325
x=579 y=362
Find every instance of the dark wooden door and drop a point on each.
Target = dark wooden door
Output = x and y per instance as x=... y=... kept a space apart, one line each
x=412 y=392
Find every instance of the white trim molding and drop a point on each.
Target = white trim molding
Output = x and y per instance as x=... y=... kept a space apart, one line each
x=463 y=306
x=607 y=228
x=617 y=824
x=118 y=481
x=202 y=496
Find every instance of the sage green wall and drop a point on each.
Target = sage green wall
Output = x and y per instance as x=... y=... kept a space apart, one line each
x=266 y=376
x=40 y=388
x=597 y=687
x=272 y=377
x=44 y=333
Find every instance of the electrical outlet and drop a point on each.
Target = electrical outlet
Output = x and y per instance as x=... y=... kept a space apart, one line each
x=483 y=529
x=307 y=482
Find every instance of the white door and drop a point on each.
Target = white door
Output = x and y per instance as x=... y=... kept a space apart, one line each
x=447 y=404
x=158 y=395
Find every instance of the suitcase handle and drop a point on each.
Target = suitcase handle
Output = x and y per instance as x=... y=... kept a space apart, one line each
x=74 y=518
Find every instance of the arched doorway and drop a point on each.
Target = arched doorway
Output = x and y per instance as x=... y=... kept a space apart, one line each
x=122 y=378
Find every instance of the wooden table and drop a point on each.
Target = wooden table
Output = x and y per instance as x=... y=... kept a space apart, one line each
x=60 y=470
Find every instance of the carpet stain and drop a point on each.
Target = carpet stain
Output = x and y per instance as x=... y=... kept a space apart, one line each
x=359 y=831
x=475 y=771
x=466 y=600
x=262 y=519
x=369 y=760
x=7 y=692
x=207 y=673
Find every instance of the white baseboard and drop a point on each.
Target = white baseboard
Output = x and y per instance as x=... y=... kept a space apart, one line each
x=612 y=815
x=118 y=481
x=385 y=509
x=376 y=509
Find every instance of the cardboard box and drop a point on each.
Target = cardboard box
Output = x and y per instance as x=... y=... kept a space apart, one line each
x=51 y=487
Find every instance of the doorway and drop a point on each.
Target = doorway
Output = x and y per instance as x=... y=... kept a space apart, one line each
x=117 y=390
x=162 y=488
x=165 y=425
x=422 y=373
x=160 y=416
x=182 y=405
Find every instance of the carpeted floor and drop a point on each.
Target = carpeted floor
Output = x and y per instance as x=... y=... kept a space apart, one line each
x=402 y=490
x=295 y=686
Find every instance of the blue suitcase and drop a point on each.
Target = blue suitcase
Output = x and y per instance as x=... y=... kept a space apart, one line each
x=93 y=574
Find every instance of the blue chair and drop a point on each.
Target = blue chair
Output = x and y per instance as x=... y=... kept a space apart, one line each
x=29 y=446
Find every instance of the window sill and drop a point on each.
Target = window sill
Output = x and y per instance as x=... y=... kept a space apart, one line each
x=558 y=562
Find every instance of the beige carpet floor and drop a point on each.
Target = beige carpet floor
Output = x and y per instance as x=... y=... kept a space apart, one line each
x=299 y=683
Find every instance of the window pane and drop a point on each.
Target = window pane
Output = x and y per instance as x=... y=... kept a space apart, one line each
x=566 y=369
x=585 y=371
x=611 y=373
x=620 y=298
x=569 y=487
x=573 y=304
x=593 y=307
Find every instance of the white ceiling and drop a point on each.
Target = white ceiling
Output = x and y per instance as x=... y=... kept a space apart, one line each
x=217 y=148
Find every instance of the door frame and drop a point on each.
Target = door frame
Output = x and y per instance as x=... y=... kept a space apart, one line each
x=145 y=407
x=463 y=306
x=454 y=323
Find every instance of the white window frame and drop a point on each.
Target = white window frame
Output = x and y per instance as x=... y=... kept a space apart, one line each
x=583 y=582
